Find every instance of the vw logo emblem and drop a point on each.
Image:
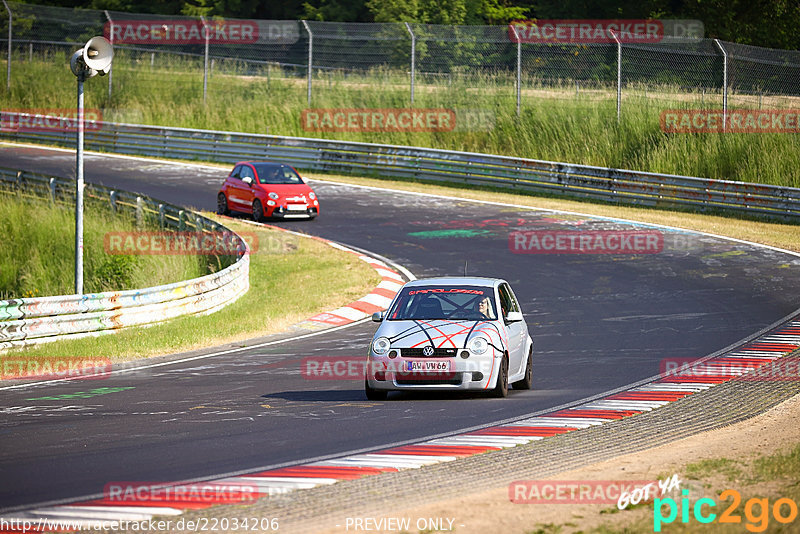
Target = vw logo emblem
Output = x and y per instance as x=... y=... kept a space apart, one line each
x=427 y=351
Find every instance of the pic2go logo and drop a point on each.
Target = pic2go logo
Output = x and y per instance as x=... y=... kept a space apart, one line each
x=756 y=511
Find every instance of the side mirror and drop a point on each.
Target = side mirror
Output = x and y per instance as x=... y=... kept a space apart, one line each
x=247 y=180
x=513 y=317
x=378 y=317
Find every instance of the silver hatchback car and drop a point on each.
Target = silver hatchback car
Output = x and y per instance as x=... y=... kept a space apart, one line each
x=456 y=333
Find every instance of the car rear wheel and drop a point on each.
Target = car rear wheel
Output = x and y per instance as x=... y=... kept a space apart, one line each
x=501 y=389
x=527 y=381
x=258 y=211
x=374 y=394
x=222 y=205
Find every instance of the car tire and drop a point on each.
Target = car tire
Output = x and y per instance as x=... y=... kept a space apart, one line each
x=222 y=205
x=501 y=388
x=374 y=394
x=527 y=381
x=258 y=211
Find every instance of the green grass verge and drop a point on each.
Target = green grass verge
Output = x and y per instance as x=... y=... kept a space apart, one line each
x=37 y=252
x=291 y=279
x=553 y=125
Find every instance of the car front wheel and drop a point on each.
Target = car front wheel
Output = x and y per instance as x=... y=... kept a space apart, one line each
x=501 y=389
x=258 y=211
x=527 y=381
x=222 y=205
x=374 y=394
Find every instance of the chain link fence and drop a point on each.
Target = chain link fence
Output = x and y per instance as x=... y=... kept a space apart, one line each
x=439 y=61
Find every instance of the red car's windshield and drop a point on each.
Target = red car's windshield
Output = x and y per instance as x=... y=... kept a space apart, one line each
x=271 y=173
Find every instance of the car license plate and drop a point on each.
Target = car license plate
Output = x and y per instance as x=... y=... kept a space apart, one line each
x=436 y=366
x=296 y=207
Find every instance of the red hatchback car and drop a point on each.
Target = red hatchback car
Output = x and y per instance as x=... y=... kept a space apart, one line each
x=267 y=189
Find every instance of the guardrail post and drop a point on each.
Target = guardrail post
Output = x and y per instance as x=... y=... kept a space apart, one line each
x=619 y=72
x=111 y=40
x=139 y=212
x=310 y=58
x=413 y=58
x=724 y=83
x=18 y=180
x=181 y=221
x=8 y=64
x=53 y=190
x=162 y=216
x=112 y=198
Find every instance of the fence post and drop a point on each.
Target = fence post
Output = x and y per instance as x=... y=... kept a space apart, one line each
x=53 y=190
x=518 y=82
x=139 y=212
x=8 y=63
x=310 y=57
x=205 y=59
x=519 y=69
x=162 y=214
x=111 y=40
x=724 y=83
x=413 y=57
x=619 y=72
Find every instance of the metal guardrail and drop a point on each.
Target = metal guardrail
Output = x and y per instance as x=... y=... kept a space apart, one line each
x=27 y=321
x=581 y=181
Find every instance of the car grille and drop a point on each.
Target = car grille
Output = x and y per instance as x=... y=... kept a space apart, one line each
x=454 y=381
x=416 y=352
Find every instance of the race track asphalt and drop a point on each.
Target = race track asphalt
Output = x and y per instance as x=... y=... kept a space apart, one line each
x=599 y=321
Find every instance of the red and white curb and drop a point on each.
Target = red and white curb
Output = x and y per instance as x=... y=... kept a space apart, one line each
x=747 y=358
x=377 y=300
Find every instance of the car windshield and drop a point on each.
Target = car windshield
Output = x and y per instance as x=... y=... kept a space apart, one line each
x=468 y=303
x=271 y=173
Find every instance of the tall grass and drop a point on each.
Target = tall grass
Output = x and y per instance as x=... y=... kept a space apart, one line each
x=556 y=123
x=37 y=253
x=291 y=279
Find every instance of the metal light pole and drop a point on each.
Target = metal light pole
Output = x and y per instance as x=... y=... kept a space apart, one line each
x=94 y=58
x=79 y=192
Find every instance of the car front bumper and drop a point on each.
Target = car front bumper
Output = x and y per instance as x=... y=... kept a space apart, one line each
x=478 y=372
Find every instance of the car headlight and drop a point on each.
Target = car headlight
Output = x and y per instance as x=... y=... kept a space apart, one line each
x=478 y=345
x=381 y=345
x=312 y=195
x=273 y=195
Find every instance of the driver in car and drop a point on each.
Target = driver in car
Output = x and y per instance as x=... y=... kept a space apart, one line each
x=485 y=307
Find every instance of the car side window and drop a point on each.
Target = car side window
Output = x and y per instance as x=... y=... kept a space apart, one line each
x=246 y=172
x=236 y=171
x=507 y=300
